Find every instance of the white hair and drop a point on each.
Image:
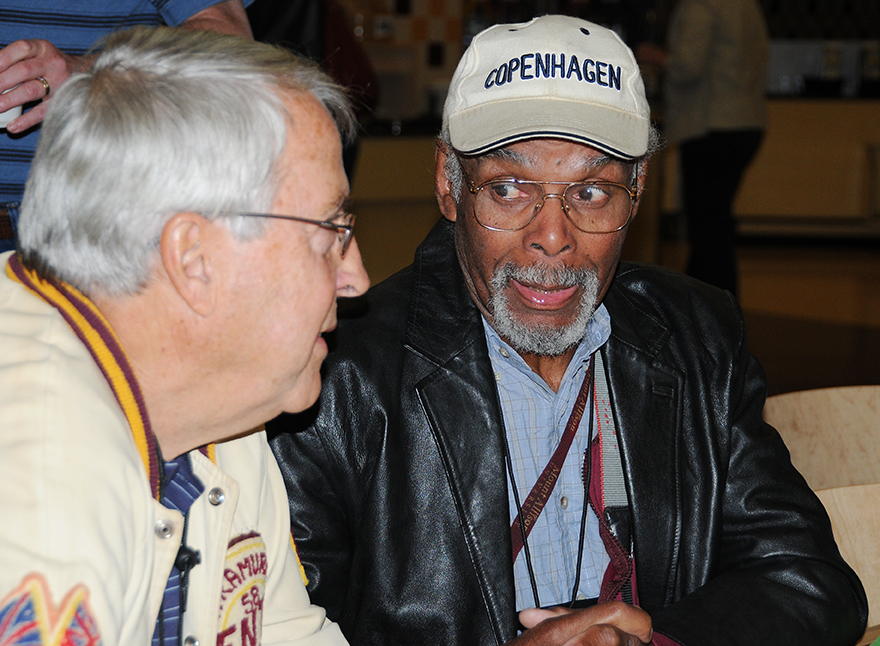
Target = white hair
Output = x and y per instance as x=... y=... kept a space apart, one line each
x=166 y=120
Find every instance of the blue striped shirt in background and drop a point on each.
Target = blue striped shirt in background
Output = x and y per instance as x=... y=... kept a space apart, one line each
x=182 y=487
x=73 y=26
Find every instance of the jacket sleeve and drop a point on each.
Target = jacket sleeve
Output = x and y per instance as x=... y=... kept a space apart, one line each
x=758 y=560
x=690 y=46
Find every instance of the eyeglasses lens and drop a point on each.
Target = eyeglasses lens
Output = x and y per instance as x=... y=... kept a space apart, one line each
x=594 y=207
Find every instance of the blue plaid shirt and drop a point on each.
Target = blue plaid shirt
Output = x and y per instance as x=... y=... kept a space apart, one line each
x=535 y=419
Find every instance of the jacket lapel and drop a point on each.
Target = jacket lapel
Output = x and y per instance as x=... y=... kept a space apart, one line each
x=646 y=397
x=459 y=398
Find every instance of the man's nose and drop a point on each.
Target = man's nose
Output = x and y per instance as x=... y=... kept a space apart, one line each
x=551 y=232
x=351 y=276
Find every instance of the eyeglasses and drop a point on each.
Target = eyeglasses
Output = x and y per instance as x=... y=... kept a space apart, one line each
x=344 y=231
x=510 y=204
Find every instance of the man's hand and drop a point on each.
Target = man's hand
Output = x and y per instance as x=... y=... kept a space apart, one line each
x=225 y=17
x=23 y=63
x=608 y=624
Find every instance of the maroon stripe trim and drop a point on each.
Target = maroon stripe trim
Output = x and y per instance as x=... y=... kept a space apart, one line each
x=76 y=300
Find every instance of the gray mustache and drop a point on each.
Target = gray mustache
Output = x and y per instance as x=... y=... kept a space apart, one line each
x=541 y=274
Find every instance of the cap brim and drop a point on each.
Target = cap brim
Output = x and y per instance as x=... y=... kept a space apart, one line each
x=490 y=125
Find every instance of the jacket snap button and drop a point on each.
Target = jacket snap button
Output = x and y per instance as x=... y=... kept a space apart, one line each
x=164 y=529
x=191 y=641
x=216 y=496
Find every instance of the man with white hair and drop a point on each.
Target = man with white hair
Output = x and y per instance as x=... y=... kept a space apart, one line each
x=184 y=237
x=520 y=420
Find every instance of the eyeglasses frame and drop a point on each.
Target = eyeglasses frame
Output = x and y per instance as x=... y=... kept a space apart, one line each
x=473 y=189
x=344 y=232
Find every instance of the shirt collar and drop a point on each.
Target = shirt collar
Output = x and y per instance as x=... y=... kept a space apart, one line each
x=597 y=334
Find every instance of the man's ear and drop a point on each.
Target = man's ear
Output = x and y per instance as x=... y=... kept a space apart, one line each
x=186 y=257
x=443 y=187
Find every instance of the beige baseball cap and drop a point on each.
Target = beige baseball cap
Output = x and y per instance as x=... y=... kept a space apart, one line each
x=554 y=76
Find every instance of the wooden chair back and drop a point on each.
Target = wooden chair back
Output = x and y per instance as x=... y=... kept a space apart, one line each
x=833 y=433
x=855 y=518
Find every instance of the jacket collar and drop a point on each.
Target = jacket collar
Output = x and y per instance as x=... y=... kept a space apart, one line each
x=632 y=321
x=442 y=315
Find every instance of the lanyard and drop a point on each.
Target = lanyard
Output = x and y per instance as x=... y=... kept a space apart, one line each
x=608 y=491
x=607 y=496
x=540 y=493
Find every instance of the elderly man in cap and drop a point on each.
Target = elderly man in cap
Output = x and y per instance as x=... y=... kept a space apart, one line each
x=519 y=420
x=183 y=242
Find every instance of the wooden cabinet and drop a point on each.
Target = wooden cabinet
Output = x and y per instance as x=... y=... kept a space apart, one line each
x=818 y=170
x=818 y=159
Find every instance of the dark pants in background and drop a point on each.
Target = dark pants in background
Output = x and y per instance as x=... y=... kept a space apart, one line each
x=711 y=169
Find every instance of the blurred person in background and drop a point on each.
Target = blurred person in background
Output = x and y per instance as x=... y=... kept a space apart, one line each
x=715 y=77
x=323 y=31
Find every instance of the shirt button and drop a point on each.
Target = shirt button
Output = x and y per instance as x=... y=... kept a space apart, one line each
x=164 y=529
x=216 y=496
x=191 y=641
x=504 y=353
x=580 y=597
x=563 y=502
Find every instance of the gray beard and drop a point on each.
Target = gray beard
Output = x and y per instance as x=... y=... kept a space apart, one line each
x=542 y=340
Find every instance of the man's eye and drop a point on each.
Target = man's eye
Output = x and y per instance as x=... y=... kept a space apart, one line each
x=589 y=194
x=508 y=191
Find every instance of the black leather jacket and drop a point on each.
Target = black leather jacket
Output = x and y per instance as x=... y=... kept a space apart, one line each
x=398 y=492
